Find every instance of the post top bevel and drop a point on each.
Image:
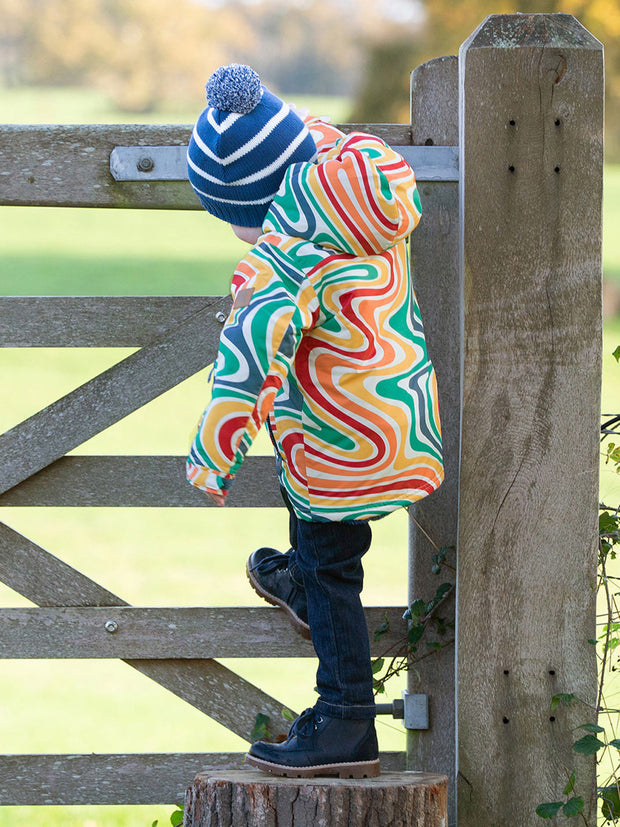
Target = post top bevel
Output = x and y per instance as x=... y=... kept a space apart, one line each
x=513 y=31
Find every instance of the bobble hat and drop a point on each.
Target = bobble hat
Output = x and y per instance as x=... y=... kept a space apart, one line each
x=241 y=146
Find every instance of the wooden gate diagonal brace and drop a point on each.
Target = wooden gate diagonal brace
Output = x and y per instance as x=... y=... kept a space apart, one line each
x=62 y=426
x=205 y=684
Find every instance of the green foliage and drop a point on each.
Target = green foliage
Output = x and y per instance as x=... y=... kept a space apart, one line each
x=588 y=745
x=549 y=810
x=609 y=639
x=572 y=807
x=260 y=731
x=422 y=619
x=610 y=807
x=562 y=698
x=176 y=817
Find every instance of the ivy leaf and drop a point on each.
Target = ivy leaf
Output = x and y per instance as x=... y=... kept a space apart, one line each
x=562 y=698
x=383 y=629
x=417 y=608
x=549 y=810
x=588 y=745
x=616 y=354
x=377 y=665
x=591 y=728
x=176 y=819
x=573 y=806
x=571 y=784
x=415 y=633
x=615 y=743
x=610 y=807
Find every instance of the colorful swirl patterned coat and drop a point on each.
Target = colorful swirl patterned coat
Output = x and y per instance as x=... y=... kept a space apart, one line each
x=325 y=341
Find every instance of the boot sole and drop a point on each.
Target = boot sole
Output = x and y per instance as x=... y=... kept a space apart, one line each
x=354 y=769
x=296 y=622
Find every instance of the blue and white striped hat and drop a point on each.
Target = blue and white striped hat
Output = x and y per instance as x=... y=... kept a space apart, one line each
x=241 y=146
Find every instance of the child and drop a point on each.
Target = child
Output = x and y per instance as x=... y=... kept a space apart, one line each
x=325 y=343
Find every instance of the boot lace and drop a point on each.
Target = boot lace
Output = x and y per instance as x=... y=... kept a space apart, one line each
x=307 y=721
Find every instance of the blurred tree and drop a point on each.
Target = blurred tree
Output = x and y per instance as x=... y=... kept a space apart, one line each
x=446 y=24
x=139 y=52
x=147 y=52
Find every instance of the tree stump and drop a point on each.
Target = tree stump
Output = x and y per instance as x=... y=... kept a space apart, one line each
x=248 y=798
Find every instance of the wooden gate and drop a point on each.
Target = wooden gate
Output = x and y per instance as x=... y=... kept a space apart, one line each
x=507 y=271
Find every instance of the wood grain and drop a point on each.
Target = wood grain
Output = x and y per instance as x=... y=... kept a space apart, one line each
x=156 y=778
x=436 y=276
x=139 y=482
x=102 y=321
x=532 y=155
x=169 y=632
x=261 y=800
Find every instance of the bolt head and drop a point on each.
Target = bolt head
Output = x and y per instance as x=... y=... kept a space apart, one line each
x=111 y=626
x=145 y=164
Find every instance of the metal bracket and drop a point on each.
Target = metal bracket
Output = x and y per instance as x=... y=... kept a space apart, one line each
x=413 y=708
x=167 y=163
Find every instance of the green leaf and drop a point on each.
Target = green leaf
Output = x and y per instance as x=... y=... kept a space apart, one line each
x=573 y=806
x=615 y=743
x=415 y=633
x=616 y=354
x=259 y=730
x=377 y=665
x=418 y=607
x=383 y=629
x=549 y=810
x=592 y=728
x=562 y=698
x=588 y=745
x=610 y=807
x=571 y=784
x=287 y=714
x=176 y=818
x=155 y=823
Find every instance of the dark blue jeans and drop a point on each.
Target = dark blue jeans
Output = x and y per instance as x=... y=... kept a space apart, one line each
x=327 y=559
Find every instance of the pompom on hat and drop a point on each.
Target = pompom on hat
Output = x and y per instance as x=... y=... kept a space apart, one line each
x=241 y=146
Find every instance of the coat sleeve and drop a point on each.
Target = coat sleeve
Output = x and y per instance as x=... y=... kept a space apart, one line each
x=257 y=345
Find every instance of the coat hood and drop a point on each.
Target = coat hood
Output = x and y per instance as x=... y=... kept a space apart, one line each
x=360 y=198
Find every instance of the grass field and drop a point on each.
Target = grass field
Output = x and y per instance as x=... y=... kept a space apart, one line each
x=153 y=557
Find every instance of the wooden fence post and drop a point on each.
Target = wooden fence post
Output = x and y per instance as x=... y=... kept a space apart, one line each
x=531 y=118
x=435 y=267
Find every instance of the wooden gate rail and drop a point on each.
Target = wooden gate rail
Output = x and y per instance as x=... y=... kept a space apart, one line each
x=135 y=632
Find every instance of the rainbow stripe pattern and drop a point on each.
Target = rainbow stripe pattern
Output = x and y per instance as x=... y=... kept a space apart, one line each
x=325 y=341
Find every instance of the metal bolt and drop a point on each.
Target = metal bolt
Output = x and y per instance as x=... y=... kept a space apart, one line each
x=220 y=316
x=111 y=626
x=145 y=164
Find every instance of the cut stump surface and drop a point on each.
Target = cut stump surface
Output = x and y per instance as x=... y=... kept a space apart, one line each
x=249 y=797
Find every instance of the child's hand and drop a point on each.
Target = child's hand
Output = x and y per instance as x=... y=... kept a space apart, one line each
x=218 y=497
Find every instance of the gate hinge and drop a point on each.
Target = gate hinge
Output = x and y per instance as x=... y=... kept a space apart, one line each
x=413 y=708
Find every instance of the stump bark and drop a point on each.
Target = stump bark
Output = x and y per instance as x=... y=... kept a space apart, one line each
x=246 y=797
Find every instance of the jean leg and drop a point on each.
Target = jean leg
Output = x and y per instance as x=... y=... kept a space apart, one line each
x=329 y=556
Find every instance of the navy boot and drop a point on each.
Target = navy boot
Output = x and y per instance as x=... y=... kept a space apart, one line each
x=320 y=745
x=270 y=577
